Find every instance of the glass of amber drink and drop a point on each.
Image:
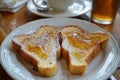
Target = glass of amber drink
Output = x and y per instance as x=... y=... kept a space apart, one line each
x=104 y=11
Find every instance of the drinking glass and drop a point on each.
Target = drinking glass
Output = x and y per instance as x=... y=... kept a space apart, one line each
x=104 y=11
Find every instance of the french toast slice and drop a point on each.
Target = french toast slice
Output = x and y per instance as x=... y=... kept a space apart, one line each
x=80 y=47
x=40 y=48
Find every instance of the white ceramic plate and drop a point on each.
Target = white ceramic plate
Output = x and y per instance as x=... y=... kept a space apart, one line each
x=79 y=7
x=99 y=69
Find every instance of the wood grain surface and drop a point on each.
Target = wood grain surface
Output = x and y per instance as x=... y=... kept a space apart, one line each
x=10 y=21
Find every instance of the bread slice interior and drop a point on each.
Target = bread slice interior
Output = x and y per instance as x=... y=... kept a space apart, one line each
x=40 y=48
x=80 y=47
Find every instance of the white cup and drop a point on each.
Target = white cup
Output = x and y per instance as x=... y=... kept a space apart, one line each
x=61 y=5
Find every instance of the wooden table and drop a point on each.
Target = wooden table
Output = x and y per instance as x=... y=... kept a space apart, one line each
x=10 y=21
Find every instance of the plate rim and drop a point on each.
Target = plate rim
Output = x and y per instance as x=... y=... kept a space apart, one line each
x=107 y=75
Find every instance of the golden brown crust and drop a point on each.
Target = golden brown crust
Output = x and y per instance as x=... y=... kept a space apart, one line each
x=72 y=27
x=48 y=71
x=89 y=43
x=58 y=53
x=100 y=38
x=74 y=69
x=93 y=54
x=16 y=46
x=66 y=55
x=77 y=69
x=21 y=44
x=23 y=54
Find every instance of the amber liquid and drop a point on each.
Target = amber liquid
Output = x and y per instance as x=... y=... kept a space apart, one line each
x=104 y=10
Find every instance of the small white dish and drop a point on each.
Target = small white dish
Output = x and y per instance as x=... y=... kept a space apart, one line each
x=100 y=68
x=79 y=7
